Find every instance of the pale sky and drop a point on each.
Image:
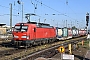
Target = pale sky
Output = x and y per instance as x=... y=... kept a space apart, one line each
x=72 y=11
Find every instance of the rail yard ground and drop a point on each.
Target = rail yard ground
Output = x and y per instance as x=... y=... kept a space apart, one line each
x=79 y=54
x=50 y=53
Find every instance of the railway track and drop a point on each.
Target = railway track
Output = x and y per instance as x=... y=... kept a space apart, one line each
x=4 y=41
x=48 y=53
x=14 y=54
x=7 y=52
x=33 y=51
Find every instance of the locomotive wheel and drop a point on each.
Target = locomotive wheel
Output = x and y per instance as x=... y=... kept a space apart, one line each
x=28 y=45
x=50 y=41
x=44 y=42
x=40 y=43
x=47 y=41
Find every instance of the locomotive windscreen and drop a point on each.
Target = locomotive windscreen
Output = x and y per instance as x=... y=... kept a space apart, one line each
x=20 y=28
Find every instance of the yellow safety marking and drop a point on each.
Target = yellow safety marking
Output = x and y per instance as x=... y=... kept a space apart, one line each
x=61 y=49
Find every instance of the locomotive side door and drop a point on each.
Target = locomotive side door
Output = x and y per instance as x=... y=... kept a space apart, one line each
x=34 y=33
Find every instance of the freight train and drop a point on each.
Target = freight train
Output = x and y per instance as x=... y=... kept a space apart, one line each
x=33 y=33
x=67 y=33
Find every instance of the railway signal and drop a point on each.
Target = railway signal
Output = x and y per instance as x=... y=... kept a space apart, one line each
x=61 y=49
x=87 y=21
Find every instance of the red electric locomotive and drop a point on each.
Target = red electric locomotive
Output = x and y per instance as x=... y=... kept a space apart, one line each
x=32 y=33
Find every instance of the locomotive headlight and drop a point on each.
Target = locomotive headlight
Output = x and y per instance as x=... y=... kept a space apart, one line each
x=15 y=36
x=25 y=37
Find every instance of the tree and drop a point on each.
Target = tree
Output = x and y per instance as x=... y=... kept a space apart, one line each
x=74 y=27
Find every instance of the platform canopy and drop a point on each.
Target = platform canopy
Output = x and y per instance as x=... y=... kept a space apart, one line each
x=2 y=24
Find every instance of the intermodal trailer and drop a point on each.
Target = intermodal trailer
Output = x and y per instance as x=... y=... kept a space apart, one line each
x=59 y=33
x=69 y=33
x=82 y=32
x=65 y=32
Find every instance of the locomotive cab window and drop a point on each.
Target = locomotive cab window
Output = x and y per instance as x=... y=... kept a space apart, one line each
x=24 y=28
x=17 y=28
x=20 y=28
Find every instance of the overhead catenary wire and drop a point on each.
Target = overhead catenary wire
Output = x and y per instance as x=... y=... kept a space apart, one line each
x=12 y=9
x=36 y=7
x=42 y=4
x=54 y=9
x=9 y=8
x=38 y=1
x=8 y=14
